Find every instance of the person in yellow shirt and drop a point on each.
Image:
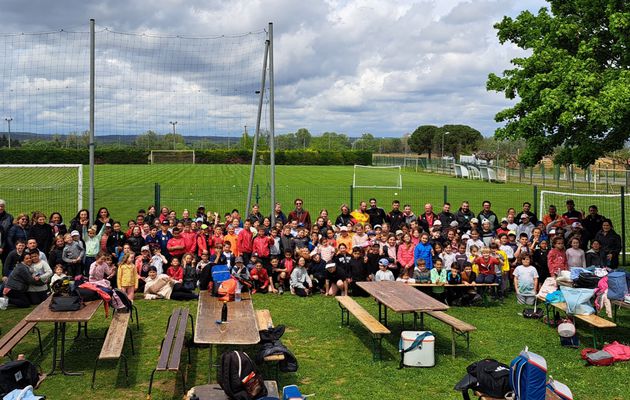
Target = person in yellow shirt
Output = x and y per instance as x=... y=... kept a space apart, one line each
x=361 y=216
x=127 y=276
x=344 y=237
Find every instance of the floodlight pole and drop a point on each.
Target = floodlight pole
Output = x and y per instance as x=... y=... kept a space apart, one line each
x=9 y=119
x=173 y=123
x=258 y=118
x=272 y=127
x=91 y=138
x=444 y=134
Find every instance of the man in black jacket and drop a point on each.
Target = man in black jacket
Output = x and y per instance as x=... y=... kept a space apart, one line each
x=377 y=214
x=446 y=216
x=463 y=217
x=395 y=217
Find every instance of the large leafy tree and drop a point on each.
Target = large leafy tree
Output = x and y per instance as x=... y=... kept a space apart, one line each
x=574 y=88
x=421 y=140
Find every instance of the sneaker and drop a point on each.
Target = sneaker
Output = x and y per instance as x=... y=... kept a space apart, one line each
x=280 y=290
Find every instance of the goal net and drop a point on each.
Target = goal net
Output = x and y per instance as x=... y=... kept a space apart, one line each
x=172 y=157
x=365 y=176
x=609 y=205
x=46 y=187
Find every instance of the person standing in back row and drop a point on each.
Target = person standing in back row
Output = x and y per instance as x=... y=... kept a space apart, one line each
x=300 y=214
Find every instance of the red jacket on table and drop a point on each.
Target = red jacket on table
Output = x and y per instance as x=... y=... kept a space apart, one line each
x=177 y=274
x=557 y=261
x=244 y=241
x=175 y=242
x=261 y=245
x=190 y=240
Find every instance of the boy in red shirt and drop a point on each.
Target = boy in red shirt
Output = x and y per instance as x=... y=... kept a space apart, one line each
x=175 y=271
x=261 y=279
x=176 y=246
x=245 y=241
x=487 y=267
x=261 y=245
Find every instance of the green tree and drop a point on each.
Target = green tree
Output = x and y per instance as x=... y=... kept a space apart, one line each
x=368 y=142
x=421 y=140
x=149 y=140
x=574 y=88
x=303 y=137
x=331 y=140
x=172 y=141
x=391 y=145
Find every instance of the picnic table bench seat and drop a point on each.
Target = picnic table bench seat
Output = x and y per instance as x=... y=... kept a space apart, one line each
x=458 y=327
x=349 y=306
x=594 y=321
x=214 y=391
x=617 y=305
x=115 y=341
x=173 y=344
x=264 y=321
x=16 y=334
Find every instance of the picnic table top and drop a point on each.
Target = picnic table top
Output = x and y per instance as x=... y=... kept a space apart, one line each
x=42 y=313
x=240 y=329
x=401 y=297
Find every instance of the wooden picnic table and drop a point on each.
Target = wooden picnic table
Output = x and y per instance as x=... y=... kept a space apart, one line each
x=401 y=298
x=42 y=313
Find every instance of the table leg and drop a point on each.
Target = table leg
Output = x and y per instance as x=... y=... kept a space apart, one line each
x=210 y=362
x=54 y=349
x=62 y=356
x=82 y=326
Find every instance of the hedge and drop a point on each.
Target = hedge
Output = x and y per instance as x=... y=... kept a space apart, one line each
x=136 y=156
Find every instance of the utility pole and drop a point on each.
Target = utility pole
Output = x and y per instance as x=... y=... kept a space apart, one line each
x=173 y=123
x=9 y=119
x=444 y=134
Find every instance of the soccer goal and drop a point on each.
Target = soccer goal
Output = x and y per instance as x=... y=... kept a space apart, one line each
x=45 y=187
x=608 y=205
x=365 y=176
x=172 y=157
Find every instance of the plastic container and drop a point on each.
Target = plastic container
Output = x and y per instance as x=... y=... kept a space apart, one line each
x=237 y=292
x=422 y=356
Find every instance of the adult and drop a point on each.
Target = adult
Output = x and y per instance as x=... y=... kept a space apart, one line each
x=41 y=231
x=255 y=215
x=82 y=218
x=377 y=214
x=278 y=215
x=103 y=217
x=344 y=219
x=593 y=222
x=610 y=242
x=360 y=215
x=552 y=215
x=527 y=209
x=408 y=215
x=18 y=231
x=16 y=287
x=300 y=214
x=428 y=218
x=6 y=219
x=56 y=223
x=526 y=226
x=38 y=291
x=13 y=258
x=395 y=217
x=571 y=215
x=55 y=255
x=151 y=215
x=463 y=217
x=446 y=217
x=487 y=213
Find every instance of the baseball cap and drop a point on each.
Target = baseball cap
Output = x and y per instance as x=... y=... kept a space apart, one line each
x=165 y=222
x=552 y=231
x=474 y=221
x=108 y=224
x=454 y=224
x=145 y=248
x=344 y=229
x=204 y=226
x=465 y=236
x=75 y=233
x=438 y=222
x=524 y=216
x=511 y=233
x=238 y=259
x=504 y=220
x=330 y=265
x=399 y=232
x=383 y=261
x=576 y=225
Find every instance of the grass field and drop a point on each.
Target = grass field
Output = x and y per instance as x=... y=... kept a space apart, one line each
x=335 y=362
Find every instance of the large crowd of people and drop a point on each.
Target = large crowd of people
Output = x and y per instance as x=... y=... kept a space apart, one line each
x=171 y=255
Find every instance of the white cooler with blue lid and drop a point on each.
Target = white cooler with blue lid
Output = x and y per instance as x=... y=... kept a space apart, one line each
x=421 y=356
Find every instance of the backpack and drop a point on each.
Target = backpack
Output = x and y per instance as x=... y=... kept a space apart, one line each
x=596 y=357
x=227 y=289
x=64 y=296
x=17 y=374
x=492 y=378
x=239 y=378
x=559 y=389
x=528 y=376
x=219 y=274
x=617 y=285
x=578 y=300
x=587 y=280
x=120 y=302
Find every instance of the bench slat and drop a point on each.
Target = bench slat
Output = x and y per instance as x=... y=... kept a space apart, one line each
x=452 y=321
x=173 y=364
x=590 y=319
x=13 y=337
x=363 y=316
x=115 y=339
x=263 y=319
x=162 y=364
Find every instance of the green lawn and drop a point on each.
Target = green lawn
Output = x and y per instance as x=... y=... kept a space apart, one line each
x=335 y=362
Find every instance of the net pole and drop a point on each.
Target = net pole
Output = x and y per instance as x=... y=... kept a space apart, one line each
x=272 y=133
x=92 y=67
x=80 y=187
x=258 y=117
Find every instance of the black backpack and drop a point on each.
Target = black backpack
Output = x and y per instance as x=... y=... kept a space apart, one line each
x=17 y=375
x=487 y=376
x=239 y=378
x=586 y=280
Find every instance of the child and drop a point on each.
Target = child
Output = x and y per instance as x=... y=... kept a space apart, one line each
x=59 y=274
x=261 y=280
x=317 y=271
x=335 y=280
x=575 y=255
x=461 y=258
x=487 y=267
x=73 y=254
x=454 y=294
x=438 y=277
x=405 y=278
x=448 y=257
x=189 y=281
x=92 y=242
x=468 y=279
x=383 y=274
x=594 y=257
x=301 y=283
x=175 y=271
x=358 y=272
x=326 y=250
x=421 y=274
x=557 y=258
x=423 y=250
x=127 y=276
x=158 y=260
x=283 y=272
x=525 y=281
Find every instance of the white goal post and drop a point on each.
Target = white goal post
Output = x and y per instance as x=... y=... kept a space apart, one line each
x=172 y=157
x=381 y=177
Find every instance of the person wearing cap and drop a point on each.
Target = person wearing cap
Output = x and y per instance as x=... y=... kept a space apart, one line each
x=376 y=213
x=527 y=209
x=336 y=280
x=383 y=274
x=577 y=232
x=446 y=217
x=487 y=213
x=503 y=228
x=525 y=226
x=16 y=287
x=344 y=237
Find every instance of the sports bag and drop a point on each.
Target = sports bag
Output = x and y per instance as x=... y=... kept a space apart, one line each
x=548 y=286
x=559 y=389
x=64 y=296
x=596 y=357
x=533 y=313
x=120 y=302
x=23 y=394
x=578 y=300
x=586 y=280
x=620 y=352
x=239 y=378
x=617 y=285
x=17 y=374
x=227 y=289
x=490 y=377
x=528 y=376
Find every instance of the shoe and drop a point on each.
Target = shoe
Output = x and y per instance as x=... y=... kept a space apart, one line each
x=280 y=290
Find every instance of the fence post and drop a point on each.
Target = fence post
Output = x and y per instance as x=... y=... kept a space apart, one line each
x=257 y=195
x=622 y=191
x=557 y=175
x=445 y=194
x=156 y=195
x=531 y=175
x=351 y=197
x=542 y=170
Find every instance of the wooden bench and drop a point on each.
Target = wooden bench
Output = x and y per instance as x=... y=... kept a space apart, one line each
x=173 y=344
x=349 y=306
x=484 y=293
x=617 y=305
x=458 y=328
x=214 y=392
x=549 y=395
x=16 y=334
x=594 y=321
x=115 y=341
x=264 y=321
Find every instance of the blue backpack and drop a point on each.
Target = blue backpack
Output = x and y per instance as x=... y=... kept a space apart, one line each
x=220 y=274
x=617 y=285
x=528 y=376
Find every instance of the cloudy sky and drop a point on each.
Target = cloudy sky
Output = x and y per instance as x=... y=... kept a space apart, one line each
x=378 y=66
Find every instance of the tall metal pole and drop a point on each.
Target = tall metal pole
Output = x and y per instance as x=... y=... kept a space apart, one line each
x=258 y=117
x=9 y=119
x=173 y=123
x=91 y=139
x=272 y=126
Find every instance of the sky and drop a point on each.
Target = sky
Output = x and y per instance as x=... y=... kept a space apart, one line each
x=383 y=67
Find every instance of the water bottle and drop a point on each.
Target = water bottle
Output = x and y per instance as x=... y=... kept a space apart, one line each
x=224 y=312
x=237 y=293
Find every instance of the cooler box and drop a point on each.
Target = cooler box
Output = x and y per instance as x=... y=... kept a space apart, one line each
x=421 y=356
